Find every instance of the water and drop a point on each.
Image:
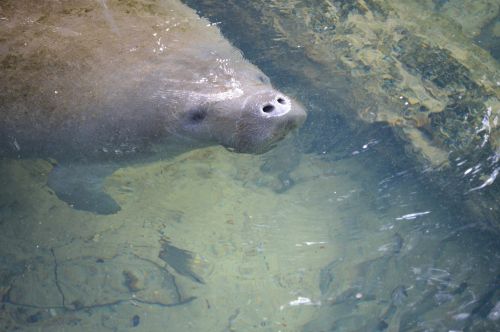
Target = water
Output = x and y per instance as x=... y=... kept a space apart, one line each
x=337 y=229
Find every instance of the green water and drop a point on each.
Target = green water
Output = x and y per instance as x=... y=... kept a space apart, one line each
x=334 y=230
x=341 y=239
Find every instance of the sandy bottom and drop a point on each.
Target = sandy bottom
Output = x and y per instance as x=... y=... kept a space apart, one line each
x=327 y=254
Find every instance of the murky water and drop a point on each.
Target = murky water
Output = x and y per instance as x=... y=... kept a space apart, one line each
x=334 y=230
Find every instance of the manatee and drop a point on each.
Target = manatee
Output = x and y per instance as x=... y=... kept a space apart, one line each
x=98 y=84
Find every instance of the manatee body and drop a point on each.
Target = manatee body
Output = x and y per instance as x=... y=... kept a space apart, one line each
x=93 y=84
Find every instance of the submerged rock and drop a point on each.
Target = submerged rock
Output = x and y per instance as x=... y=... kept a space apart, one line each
x=415 y=65
x=87 y=283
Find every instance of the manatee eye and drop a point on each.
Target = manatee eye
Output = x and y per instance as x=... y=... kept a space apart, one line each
x=197 y=115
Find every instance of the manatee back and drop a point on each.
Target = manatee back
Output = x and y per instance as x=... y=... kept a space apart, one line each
x=83 y=77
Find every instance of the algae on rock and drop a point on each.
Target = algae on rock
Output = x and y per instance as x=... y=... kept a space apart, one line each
x=415 y=65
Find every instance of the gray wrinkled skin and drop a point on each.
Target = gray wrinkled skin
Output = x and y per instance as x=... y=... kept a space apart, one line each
x=105 y=80
x=96 y=84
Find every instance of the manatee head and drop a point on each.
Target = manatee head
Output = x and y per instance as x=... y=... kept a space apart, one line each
x=257 y=120
x=250 y=116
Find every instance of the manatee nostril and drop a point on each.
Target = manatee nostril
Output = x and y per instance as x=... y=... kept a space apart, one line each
x=268 y=108
x=282 y=101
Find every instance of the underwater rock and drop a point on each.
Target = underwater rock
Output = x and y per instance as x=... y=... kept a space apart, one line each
x=182 y=261
x=136 y=320
x=88 y=282
x=414 y=65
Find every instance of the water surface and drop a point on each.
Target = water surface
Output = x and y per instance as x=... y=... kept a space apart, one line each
x=337 y=229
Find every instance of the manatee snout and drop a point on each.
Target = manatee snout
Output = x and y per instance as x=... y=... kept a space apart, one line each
x=266 y=118
x=278 y=105
x=250 y=123
x=278 y=112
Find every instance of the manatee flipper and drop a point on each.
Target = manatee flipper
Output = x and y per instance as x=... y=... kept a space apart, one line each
x=80 y=185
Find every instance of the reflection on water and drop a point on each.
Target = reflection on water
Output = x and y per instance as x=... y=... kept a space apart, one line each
x=343 y=233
